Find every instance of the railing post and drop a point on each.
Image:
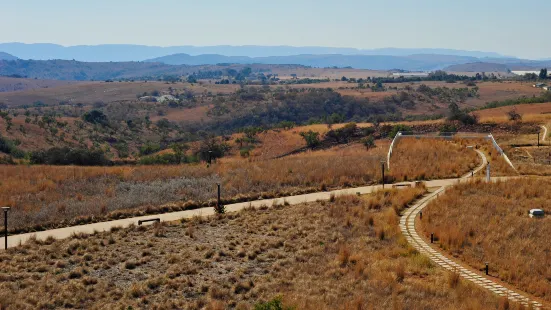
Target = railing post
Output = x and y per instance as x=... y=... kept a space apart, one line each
x=6 y=209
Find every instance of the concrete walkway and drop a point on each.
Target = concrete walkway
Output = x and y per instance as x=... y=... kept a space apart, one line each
x=407 y=226
x=67 y=232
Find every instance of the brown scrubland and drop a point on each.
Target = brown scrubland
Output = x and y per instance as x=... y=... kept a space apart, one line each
x=428 y=158
x=347 y=253
x=42 y=196
x=488 y=222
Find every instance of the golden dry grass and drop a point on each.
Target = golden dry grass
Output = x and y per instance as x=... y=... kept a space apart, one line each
x=46 y=194
x=428 y=158
x=345 y=254
x=530 y=112
x=488 y=222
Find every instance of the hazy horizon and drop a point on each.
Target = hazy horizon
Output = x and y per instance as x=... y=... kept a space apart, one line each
x=491 y=26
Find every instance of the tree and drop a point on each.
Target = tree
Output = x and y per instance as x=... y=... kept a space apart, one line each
x=514 y=115
x=311 y=138
x=95 y=117
x=180 y=151
x=543 y=74
x=368 y=142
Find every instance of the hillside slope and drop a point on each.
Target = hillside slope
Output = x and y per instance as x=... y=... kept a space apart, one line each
x=6 y=56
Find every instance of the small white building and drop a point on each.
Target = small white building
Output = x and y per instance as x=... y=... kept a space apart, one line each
x=525 y=72
x=410 y=74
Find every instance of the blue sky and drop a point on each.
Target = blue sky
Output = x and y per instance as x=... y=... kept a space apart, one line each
x=518 y=28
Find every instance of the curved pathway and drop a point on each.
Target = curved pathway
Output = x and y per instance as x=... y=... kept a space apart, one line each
x=407 y=226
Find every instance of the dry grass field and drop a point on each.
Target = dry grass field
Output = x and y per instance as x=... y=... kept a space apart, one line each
x=90 y=92
x=344 y=254
x=488 y=222
x=537 y=112
x=42 y=195
x=8 y=84
x=532 y=160
x=428 y=158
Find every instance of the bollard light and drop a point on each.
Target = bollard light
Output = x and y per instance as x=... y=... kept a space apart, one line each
x=421 y=215
x=383 y=172
x=219 y=207
x=6 y=209
x=431 y=237
x=487 y=269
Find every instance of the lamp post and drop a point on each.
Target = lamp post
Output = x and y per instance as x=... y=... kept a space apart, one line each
x=210 y=157
x=383 y=172
x=6 y=209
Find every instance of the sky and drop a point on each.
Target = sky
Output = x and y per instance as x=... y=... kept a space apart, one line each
x=510 y=27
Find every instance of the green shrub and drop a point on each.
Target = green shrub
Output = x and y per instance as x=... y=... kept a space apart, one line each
x=274 y=304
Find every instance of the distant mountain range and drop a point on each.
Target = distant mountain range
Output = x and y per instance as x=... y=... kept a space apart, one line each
x=128 y=52
x=374 y=62
x=418 y=62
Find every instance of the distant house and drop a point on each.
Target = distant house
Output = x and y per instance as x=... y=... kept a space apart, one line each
x=525 y=72
x=166 y=98
x=539 y=85
x=410 y=74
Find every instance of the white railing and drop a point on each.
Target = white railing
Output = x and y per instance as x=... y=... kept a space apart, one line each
x=448 y=135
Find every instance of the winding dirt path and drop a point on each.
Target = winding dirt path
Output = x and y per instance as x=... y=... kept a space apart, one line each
x=407 y=226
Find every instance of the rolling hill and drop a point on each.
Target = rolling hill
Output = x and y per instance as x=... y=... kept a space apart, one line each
x=6 y=56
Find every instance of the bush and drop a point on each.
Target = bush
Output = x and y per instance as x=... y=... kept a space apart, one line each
x=513 y=115
x=68 y=156
x=368 y=142
x=95 y=117
x=343 y=134
x=168 y=159
x=149 y=148
x=274 y=304
x=398 y=128
x=10 y=147
x=311 y=137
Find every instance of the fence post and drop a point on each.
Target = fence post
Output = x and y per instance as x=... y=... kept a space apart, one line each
x=6 y=209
